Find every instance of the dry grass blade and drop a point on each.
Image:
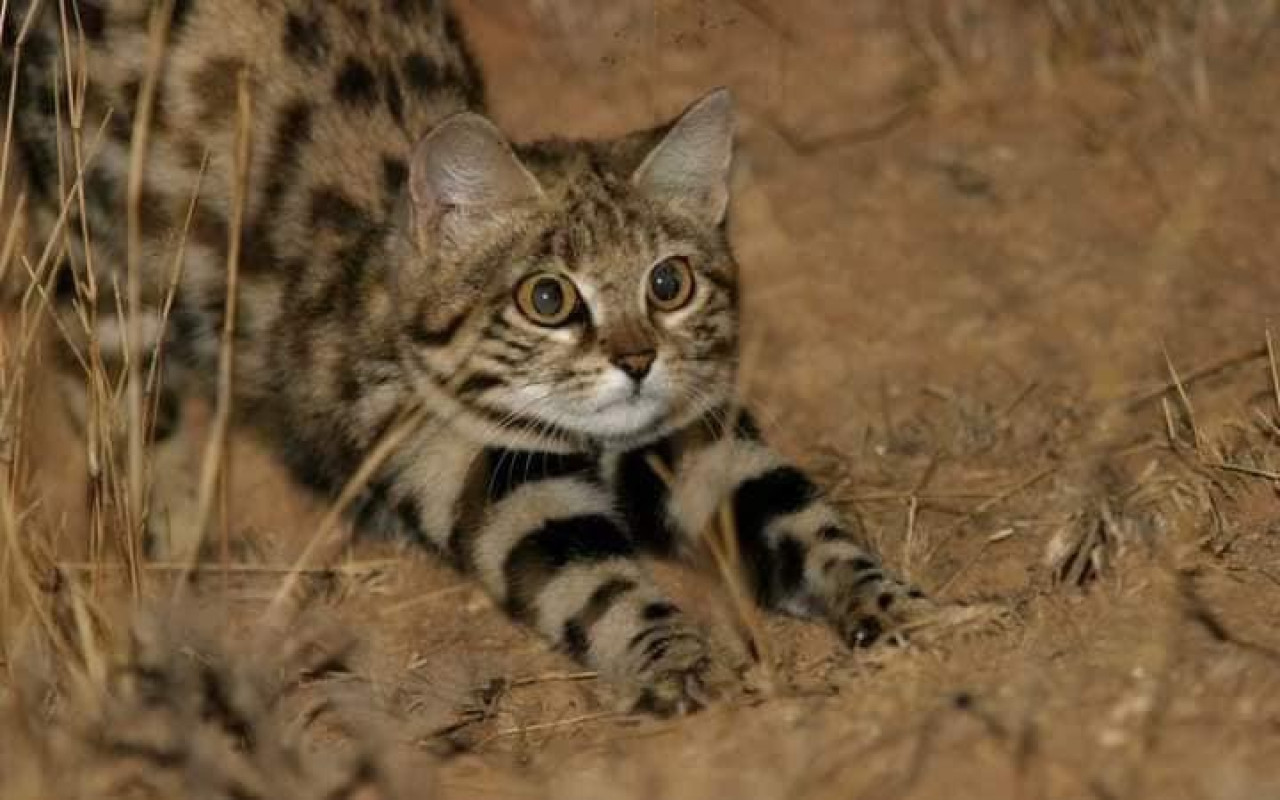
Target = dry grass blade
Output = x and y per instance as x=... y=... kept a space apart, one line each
x=1275 y=373
x=213 y=467
x=1184 y=398
x=156 y=45
x=571 y=722
x=171 y=293
x=1017 y=488
x=1207 y=371
x=1268 y=474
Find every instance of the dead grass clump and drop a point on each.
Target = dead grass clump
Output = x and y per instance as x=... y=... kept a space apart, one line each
x=176 y=707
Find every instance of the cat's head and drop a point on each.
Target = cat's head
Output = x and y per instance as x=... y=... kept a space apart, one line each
x=574 y=292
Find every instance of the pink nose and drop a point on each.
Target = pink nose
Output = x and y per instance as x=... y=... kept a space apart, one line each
x=636 y=365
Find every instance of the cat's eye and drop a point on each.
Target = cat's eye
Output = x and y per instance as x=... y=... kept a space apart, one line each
x=670 y=283
x=547 y=298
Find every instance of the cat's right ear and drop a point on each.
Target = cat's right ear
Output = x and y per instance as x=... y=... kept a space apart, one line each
x=462 y=177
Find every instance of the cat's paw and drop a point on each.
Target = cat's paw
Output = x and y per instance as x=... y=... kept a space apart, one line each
x=862 y=620
x=675 y=675
x=899 y=614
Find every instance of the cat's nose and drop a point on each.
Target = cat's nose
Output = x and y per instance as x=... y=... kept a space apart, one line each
x=636 y=365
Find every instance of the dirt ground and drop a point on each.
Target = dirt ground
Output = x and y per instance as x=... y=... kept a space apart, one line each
x=1010 y=270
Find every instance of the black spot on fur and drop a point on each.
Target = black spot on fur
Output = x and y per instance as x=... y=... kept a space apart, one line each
x=210 y=229
x=745 y=427
x=423 y=75
x=168 y=415
x=93 y=19
x=756 y=502
x=437 y=336
x=409 y=516
x=356 y=85
x=394 y=175
x=37 y=48
x=181 y=14
x=40 y=161
x=657 y=610
x=304 y=38
x=102 y=192
x=885 y=600
x=332 y=209
x=833 y=533
x=352 y=260
x=292 y=132
x=478 y=382
x=407 y=10
x=576 y=641
x=874 y=576
x=64 y=284
x=370 y=505
x=357 y=16
x=216 y=84
x=469 y=76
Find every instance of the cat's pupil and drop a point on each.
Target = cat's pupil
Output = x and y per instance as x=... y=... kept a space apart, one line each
x=665 y=282
x=548 y=297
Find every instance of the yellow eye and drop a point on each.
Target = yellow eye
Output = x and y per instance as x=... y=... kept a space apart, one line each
x=547 y=298
x=671 y=283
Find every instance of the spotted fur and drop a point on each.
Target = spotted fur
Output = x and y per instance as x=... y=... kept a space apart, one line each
x=389 y=229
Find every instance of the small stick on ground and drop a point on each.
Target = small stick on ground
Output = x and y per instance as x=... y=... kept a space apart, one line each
x=554 y=725
x=1017 y=400
x=1267 y=474
x=553 y=677
x=989 y=503
x=985 y=506
x=908 y=545
x=1184 y=397
x=1135 y=402
x=424 y=599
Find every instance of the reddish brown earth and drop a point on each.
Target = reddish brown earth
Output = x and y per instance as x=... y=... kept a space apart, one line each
x=976 y=250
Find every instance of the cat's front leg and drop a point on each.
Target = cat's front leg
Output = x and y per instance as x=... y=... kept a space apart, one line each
x=797 y=552
x=555 y=554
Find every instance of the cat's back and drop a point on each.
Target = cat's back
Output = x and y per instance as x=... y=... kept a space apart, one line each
x=339 y=90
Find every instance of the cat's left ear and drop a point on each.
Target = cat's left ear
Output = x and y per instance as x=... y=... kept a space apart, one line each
x=689 y=169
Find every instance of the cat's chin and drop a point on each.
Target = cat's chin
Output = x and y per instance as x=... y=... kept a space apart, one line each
x=633 y=419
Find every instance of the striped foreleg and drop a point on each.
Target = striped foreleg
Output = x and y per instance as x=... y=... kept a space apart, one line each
x=555 y=554
x=797 y=553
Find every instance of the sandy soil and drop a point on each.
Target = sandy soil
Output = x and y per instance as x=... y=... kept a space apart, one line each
x=976 y=249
